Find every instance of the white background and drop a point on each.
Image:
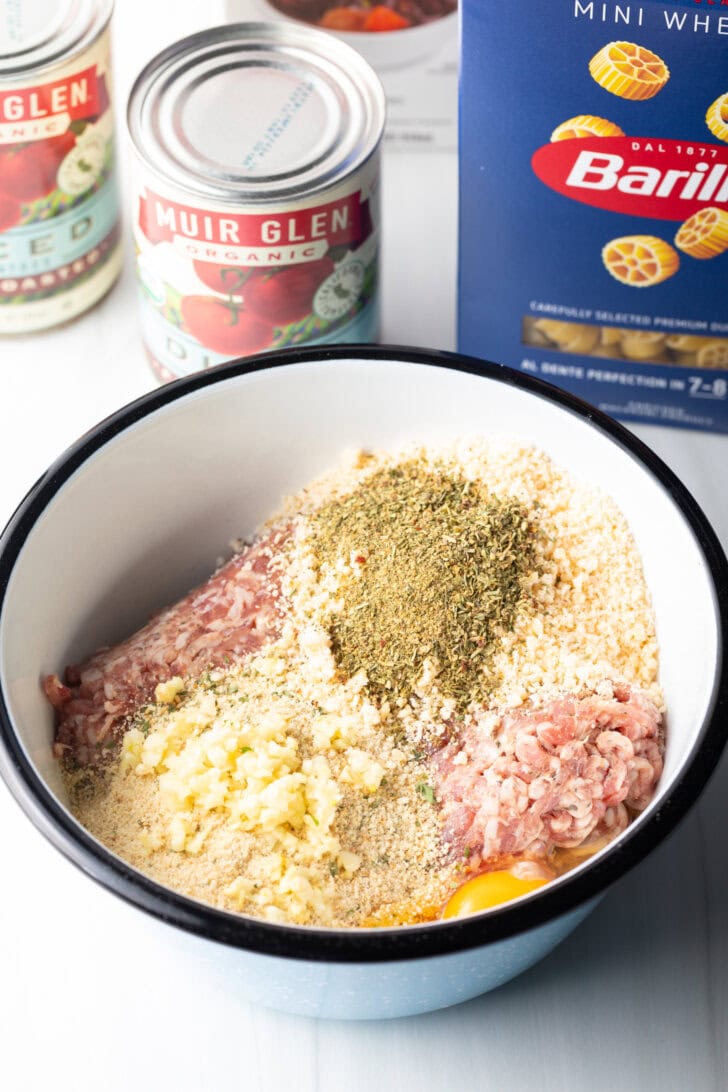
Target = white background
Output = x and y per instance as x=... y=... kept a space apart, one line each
x=92 y=995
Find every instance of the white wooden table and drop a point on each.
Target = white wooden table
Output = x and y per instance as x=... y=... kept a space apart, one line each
x=91 y=995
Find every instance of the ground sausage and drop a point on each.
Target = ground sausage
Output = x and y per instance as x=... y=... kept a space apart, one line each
x=553 y=776
x=234 y=613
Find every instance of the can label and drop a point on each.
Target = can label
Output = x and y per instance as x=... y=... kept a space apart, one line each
x=220 y=283
x=59 y=208
x=594 y=232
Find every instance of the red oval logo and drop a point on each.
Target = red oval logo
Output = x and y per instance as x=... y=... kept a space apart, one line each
x=638 y=176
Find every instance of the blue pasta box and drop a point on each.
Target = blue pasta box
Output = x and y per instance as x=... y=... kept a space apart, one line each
x=593 y=242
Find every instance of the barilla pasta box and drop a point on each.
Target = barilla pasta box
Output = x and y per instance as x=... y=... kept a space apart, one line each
x=594 y=200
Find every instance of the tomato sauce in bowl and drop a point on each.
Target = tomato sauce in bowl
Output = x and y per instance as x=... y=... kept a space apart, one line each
x=365 y=17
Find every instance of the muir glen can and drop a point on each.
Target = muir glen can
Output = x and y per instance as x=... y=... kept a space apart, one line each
x=256 y=195
x=59 y=208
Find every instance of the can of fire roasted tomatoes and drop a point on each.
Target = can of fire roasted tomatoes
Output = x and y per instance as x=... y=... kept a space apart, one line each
x=59 y=209
x=256 y=195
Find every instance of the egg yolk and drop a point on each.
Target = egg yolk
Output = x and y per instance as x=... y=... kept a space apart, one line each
x=487 y=890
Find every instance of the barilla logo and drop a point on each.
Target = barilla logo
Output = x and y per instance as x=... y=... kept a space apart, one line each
x=659 y=179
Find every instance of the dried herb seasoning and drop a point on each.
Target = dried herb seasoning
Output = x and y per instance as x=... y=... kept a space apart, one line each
x=440 y=566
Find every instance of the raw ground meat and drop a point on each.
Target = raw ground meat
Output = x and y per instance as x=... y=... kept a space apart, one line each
x=233 y=614
x=554 y=776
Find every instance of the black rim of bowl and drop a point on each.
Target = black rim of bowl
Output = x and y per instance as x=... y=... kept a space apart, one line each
x=394 y=943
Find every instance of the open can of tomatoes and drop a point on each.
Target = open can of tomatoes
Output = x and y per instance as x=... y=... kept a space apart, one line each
x=256 y=195
x=59 y=207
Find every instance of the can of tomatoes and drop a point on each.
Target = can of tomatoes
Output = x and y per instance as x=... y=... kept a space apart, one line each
x=256 y=195
x=59 y=207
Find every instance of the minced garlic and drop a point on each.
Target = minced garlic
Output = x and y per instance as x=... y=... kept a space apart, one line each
x=270 y=764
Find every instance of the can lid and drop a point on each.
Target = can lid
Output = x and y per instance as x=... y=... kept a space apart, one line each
x=256 y=112
x=37 y=33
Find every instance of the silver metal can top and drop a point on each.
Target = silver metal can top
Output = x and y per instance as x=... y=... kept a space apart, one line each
x=256 y=112
x=37 y=34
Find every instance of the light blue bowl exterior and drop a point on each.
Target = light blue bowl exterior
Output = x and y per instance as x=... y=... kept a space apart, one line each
x=377 y=991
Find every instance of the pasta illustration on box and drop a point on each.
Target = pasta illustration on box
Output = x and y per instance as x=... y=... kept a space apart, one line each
x=594 y=245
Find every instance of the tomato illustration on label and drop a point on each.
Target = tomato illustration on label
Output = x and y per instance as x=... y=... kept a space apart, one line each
x=224 y=327
x=281 y=296
x=28 y=171
x=286 y=295
x=228 y=279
